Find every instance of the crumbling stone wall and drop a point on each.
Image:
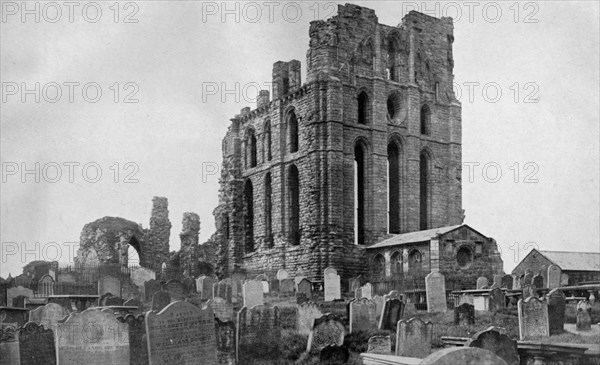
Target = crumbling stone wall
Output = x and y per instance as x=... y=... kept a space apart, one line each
x=401 y=69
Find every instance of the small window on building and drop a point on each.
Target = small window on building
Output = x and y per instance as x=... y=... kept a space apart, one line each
x=363 y=108
x=425 y=120
x=396 y=264
x=293 y=132
x=379 y=267
x=267 y=141
x=464 y=257
x=393 y=104
x=415 y=261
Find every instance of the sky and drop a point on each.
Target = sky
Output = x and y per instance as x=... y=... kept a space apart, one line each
x=133 y=101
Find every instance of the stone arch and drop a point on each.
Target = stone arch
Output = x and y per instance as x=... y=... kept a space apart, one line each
x=378 y=267
x=267 y=141
x=360 y=188
x=395 y=182
x=250 y=148
x=363 y=107
x=292 y=130
x=396 y=263
x=425 y=187
x=415 y=260
x=425 y=119
x=248 y=216
x=294 y=204
x=268 y=210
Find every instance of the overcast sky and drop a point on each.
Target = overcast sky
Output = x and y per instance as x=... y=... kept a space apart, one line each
x=541 y=131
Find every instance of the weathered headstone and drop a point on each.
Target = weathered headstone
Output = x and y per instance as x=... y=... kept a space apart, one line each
x=528 y=291
x=435 y=288
x=18 y=291
x=507 y=282
x=273 y=286
x=527 y=278
x=332 y=285
x=497 y=300
x=297 y=280
x=252 y=292
x=367 y=291
x=358 y=293
x=286 y=286
x=160 y=300
x=392 y=312
x=204 y=284
x=109 y=284
x=150 y=287
x=498 y=280
x=413 y=338
x=497 y=342
x=282 y=274
x=538 y=281
x=556 y=311
x=379 y=345
x=305 y=286
x=36 y=345
x=138 y=346
x=533 y=318
x=584 y=320
x=225 y=338
x=307 y=312
x=363 y=315
x=258 y=334
x=463 y=355
x=175 y=289
x=141 y=275
x=354 y=283
x=301 y=298
x=221 y=309
x=93 y=337
x=326 y=331
x=48 y=315
x=334 y=355
x=481 y=282
x=554 y=273
x=181 y=334
x=516 y=282
x=464 y=315
x=379 y=300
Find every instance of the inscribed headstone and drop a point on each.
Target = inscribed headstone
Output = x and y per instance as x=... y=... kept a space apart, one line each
x=556 y=311
x=435 y=288
x=464 y=315
x=481 y=282
x=332 y=285
x=258 y=334
x=393 y=311
x=221 y=309
x=307 y=312
x=109 y=284
x=497 y=342
x=181 y=334
x=379 y=345
x=363 y=315
x=533 y=318
x=413 y=338
x=554 y=273
x=326 y=331
x=286 y=286
x=36 y=345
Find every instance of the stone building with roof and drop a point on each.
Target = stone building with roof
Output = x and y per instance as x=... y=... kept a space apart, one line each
x=576 y=267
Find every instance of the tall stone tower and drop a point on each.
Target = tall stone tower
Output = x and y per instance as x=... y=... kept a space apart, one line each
x=369 y=146
x=160 y=230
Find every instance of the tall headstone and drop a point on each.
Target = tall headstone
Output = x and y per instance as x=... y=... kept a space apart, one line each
x=93 y=337
x=305 y=286
x=481 y=282
x=379 y=300
x=363 y=315
x=274 y=286
x=258 y=334
x=379 y=345
x=109 y=284
x=554 y=273
x=497 y=300
x=225 y=338
x=36 y=345
x=221 y=309
x=435 y=288
x=252 y=292
x=358 y=293
x=413 y=338
x=464 y=315
x=141 y=275
x=175 y=289
x=392 y=312
x=181 y=334
x=48 y=315
x=538 y=281
x=557 y=306
x=332 y=285
x=507 y=282
x=327 y=330
x=533 y=318
x=307 y=312
x=160 y=300
x=354 y=283
x=497 y=342
x=207 y=283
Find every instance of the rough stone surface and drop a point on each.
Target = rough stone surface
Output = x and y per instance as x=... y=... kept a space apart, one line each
x=307 y=312
x=362 y=315
x=36 y=345
x=221 y=309
x=160 y=300
x=464 y=315
x=326 y=331
x=258 y=334
x=435 y=287
x=379 y=345
x=138 y=346
x=497 y=342
x=225 y=338
x=48 y=315
x=497 y=300
x=413 y=338
x=481 y=282
x=533 y=318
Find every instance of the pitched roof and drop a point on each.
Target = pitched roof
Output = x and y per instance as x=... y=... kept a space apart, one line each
x=412 y=237
x=576 y=261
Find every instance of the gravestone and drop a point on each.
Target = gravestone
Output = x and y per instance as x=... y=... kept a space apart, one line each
x=334 y=355
x=189 y=286
x=497 y=300
x=354 y=283
x=362 y=316
x=175 y=289
x=225 y=341
x=528 y=291
x=497 y=342
x=141 y=275
x=367 y=291
x=160 y=300
x=584 y=320
x=48 y=315
x=326 y=331
x=554 y=273
x=435 y=288
x=18 y=291
x=221 y=309
x=527 y=279
x=516 y=282
x=481 y=282
x=307 y=312
x=265 y=287
x=273 y=286
x=564 y=279
x=464 y=315
x=223 y=289
x=392 y=312
x=413 y=338
x=205 y=285
x=379 y=300
x=93 y=337
x=109 y=284
x=36 y=345
x=297 y=280
x=463 y=356
x=332 y=285
x=150 y=287
x=498 y=280
x=538 y=281
x=301 y=298
x=358 y=293
x=138 y=346
x=286 y=286
x=394 y=294
x=252 y=292
x=556 y=311
x=507 y=282
x=282 y=274
x=533 y=318
x=46 y=285
x=258 y=334
x=379 y=345
x=181 y=334
x=130 y=291
x=305 y=286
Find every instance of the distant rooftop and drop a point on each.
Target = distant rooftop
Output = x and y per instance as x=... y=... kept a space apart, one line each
x=412 y=237
x=576 y=261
